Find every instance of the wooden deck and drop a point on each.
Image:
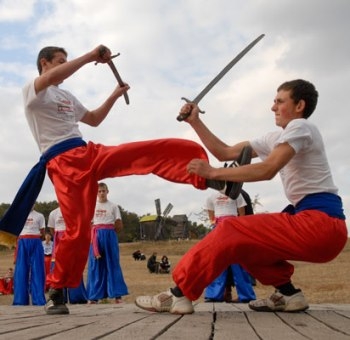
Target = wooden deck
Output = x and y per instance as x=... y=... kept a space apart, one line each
x=210 y=321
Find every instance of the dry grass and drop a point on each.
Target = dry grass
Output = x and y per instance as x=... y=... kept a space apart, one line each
x=321 y=283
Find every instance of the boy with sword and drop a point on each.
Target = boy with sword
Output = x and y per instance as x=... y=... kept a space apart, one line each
x=312 y=228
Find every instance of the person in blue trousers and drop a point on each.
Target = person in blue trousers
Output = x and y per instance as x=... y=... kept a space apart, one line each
x=220 y=206
x=57 y=227
x=29 y=274
x=105 y=276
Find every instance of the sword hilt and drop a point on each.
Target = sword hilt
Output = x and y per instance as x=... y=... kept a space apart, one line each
x=183 y=116
x=102 y=50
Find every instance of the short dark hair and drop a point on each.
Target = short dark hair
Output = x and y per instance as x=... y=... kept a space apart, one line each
x=302 y=90
x=48 y=53
x=103 y=185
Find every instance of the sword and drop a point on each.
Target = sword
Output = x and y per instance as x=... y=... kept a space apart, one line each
x=115 y=72
x=234 y=61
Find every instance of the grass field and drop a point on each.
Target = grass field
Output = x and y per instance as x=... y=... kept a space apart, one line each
x=321 y=283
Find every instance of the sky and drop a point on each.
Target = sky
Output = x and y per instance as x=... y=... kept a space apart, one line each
x=169 y=50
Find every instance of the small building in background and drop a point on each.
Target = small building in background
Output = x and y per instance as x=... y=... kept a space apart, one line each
x=155 y=227
x=181 y=229
x=148 y=227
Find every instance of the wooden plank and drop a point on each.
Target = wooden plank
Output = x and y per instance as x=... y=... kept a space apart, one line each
x=269 y=326
x=149 y=327
x=102 y=324
x=233 y=326
x=117 y=326
x=196 y=326
x=219 y=321
x=307 y=325
x=333 y=320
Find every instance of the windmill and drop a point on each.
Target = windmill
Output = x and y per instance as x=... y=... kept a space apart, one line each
x=161 y=219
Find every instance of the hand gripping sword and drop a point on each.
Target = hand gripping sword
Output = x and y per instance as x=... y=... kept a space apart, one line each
x=115 y=71
x=234 y=61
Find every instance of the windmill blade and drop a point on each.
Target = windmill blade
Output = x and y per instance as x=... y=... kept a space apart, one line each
x=158 y=208
x=167 y=209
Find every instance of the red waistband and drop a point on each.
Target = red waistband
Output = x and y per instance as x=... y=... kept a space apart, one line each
x=103 y=226
x=94 y=237
x=29 y=236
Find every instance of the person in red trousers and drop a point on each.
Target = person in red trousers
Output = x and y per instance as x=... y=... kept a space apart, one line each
x=75 y=166
x=312 y=228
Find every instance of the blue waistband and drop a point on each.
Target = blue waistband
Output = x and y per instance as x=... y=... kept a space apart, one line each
x=16 y=216
x=328 y=203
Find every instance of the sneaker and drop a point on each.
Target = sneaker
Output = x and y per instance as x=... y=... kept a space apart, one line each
x=278 y=302
x=165 y=302
x=55 y=304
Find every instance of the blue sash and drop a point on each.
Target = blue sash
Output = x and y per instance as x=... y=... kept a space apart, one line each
x=16 y=216
x=330 y=204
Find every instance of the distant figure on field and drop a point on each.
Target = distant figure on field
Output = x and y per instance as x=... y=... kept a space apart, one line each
x=138 y=256
x=153 y=264
x=164 y=265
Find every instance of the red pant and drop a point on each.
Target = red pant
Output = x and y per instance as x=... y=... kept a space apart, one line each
x=262 y=244
x=47 y=264
x=75 y=175
x=6 y=286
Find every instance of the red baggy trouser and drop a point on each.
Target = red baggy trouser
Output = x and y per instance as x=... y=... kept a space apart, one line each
x=75 y=175
x=262 y=244
x=47 y=265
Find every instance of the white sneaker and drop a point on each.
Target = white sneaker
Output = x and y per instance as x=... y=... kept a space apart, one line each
x=278 y=302
x=165 y=302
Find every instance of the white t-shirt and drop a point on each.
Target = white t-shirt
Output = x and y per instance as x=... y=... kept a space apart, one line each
x=48 y=247
x=106 y=213
x=223 y=205
x=52 y=115
x=34 y=224
x=308 y=171
x=56 y=220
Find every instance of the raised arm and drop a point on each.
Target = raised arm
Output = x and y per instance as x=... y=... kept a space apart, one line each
x=56 y=70
x=216 y=146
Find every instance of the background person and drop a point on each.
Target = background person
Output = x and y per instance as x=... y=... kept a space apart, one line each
x=105 y=277
x=219 y=207
x=57 y=227
x=6 y=283
x=29 y=274
x=153 y=264
x=48 y=249
x=164 y=265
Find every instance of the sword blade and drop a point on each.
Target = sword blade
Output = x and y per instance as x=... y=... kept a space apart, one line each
x=119 y=79
x=234 y=61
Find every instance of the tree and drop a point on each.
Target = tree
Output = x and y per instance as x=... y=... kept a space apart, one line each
x=3 y=208
x=131 y=230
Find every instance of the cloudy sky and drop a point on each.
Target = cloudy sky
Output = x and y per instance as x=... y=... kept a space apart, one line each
x=171 y=49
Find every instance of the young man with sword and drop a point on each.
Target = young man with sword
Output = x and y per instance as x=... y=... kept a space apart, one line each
x=312 y=228
x=75 y=167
